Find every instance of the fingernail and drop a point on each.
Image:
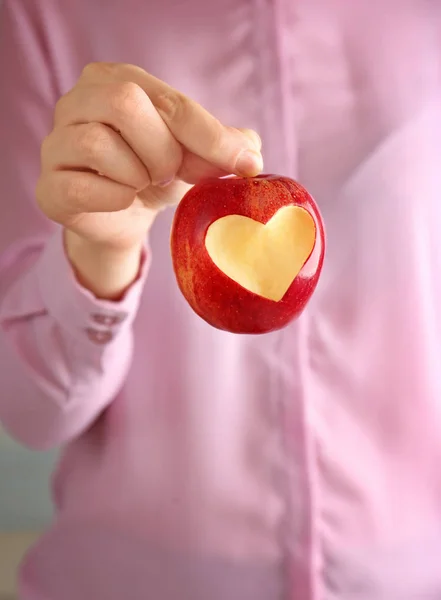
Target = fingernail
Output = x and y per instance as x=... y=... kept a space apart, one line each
x=249 y=163
x=165 y=183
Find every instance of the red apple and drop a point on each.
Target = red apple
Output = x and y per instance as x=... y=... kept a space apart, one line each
x=247 y=252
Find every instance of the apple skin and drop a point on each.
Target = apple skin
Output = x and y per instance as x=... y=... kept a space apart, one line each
x=219 y=300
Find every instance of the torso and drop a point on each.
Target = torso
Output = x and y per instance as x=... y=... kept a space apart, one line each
x=304 y=464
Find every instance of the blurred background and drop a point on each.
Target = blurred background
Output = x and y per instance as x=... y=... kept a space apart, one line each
x=24 y=494
x=25 y=506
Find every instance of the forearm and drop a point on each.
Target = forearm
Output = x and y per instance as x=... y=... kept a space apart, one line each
x=49 y=398
x=65 y=354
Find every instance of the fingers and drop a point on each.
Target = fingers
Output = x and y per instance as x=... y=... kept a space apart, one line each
x=96 y=147
x=194 y=168
x=229 y=149
x=120 y=132
x=203 y=135
x=158 y=199
x=63 y=195
x=126 y=108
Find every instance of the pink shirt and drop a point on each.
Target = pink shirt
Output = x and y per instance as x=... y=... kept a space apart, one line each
x=199 y=465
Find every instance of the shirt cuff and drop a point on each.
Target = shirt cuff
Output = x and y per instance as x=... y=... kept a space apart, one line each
x=86 y=318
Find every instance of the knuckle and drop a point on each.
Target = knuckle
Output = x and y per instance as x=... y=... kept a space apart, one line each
x=172 y=105
x=98 y=69
x=89 y=70
x=126 y=100
x=93 y=142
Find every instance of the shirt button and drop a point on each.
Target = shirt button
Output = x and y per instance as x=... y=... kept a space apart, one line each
x=99 y=337
x=108 y=320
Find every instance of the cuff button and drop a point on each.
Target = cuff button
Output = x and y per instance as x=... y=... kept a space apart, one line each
x=99 y=337
x=108 y=320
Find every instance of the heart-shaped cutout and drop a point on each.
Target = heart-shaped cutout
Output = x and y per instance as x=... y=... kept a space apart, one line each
x=262 y=258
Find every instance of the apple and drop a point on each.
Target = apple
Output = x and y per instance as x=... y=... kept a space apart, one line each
x=247 y=252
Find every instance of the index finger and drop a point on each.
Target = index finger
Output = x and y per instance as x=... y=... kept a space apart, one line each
x=227 y=148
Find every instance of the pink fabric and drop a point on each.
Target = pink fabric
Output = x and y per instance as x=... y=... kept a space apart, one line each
x=301 y=465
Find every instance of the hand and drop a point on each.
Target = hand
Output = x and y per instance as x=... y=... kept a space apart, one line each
x=124 y=146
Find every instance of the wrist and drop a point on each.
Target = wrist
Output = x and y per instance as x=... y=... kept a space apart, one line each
x=105 y=271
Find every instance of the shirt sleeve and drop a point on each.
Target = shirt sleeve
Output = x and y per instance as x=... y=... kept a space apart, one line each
x=64 y=354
